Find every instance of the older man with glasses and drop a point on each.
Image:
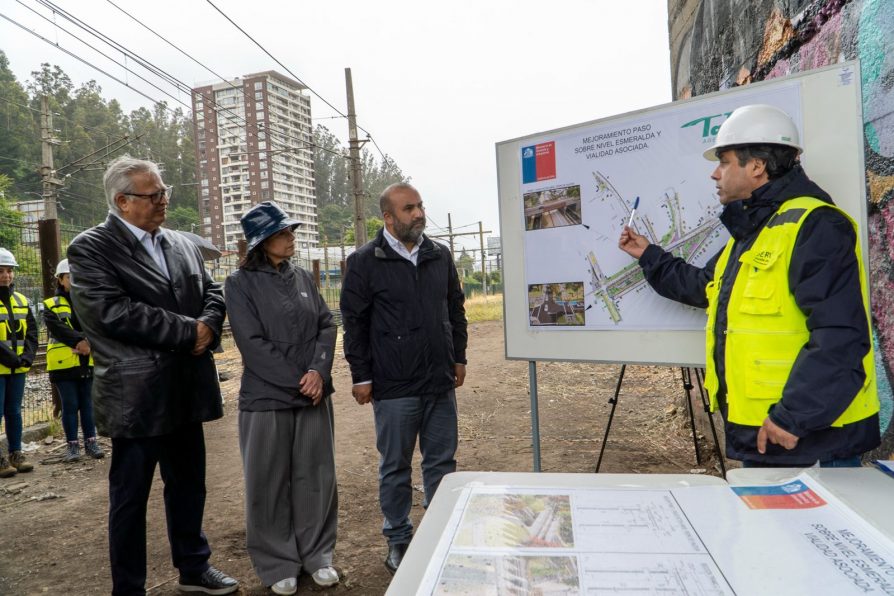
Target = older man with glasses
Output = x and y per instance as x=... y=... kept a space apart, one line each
x=152 y=315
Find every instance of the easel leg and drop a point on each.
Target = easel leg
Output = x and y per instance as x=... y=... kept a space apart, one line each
x=686 y=375
x=699 y=375
x=535 y=414
x=614 y=402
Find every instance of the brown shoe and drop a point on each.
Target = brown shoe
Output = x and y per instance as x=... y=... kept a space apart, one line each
x=17 y=460
x=6 y=470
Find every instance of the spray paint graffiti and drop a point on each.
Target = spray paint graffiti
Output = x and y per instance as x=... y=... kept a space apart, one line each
x=726 y=43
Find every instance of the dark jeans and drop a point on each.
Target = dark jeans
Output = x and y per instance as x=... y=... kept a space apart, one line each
x=12 y=389
x=76 y=398
x=398 y=422
x=842 y=462
x=181 y=457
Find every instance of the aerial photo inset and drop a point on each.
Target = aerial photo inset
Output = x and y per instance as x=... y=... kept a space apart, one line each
x=552 y=207
x=516 y=521
x=495 y=575
x=557 y=304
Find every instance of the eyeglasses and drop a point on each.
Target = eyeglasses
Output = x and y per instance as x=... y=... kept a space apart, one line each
x=155 y=197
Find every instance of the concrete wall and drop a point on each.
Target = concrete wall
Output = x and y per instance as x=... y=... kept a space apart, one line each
x=718 y=44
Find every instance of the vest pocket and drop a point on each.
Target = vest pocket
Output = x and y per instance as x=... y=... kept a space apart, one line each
x=758 y=364
x=759 y=297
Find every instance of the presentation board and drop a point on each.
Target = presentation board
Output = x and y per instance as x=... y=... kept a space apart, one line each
x=565 y=195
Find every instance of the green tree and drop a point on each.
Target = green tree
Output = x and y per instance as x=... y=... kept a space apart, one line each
x=10 y=236
x=182 y=217
x=373 y=225
x=18 y=126
x=335 y=198
x=464 y=264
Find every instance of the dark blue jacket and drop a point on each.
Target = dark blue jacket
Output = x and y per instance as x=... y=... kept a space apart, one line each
x=824 y=279
x=405 y=325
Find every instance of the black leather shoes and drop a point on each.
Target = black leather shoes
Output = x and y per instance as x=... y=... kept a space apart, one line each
x=211 y=581
x=396 y=554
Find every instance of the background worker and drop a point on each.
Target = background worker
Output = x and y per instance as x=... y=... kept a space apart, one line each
x=286 y=336
x=405 y=340
x=70 y=367
x=18 y=345
x=789 y=354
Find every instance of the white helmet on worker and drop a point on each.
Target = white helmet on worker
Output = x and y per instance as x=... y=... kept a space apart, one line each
x=7 y=259
x=757 y=124
x=62 y=267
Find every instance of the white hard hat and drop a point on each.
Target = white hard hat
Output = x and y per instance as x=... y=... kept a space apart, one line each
x=7 y=259
x=62 y=267
x=756 y=124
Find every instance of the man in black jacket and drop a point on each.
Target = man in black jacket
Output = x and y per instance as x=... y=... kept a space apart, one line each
x=789 y=353
x=405 y=340
x=152 y=315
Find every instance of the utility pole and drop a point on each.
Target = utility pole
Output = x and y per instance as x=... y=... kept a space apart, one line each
x=48 y=227
x=356 y=181
x=326 y=259
x=483 y=269
x=450 y=232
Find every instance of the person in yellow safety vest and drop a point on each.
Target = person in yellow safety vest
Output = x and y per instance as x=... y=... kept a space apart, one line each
x=18 y=345
x=789 y=351
x=70 y=367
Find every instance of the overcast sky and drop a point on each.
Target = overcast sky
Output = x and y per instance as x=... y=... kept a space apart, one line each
x=437 y=84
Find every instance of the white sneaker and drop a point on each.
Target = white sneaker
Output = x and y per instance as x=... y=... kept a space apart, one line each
x=325 y=576
x=286 y=586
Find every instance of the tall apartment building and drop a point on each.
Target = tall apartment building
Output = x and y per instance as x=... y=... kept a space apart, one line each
x=253 y=143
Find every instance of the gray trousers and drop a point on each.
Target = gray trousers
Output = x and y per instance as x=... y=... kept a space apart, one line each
x=398 y=422
x=291 y=501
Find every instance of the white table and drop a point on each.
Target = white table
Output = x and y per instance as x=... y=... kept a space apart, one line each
x=412 y=570
x=868 y=491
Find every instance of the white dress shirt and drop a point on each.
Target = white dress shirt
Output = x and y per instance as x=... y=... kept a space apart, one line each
x=151 y=242
x=401 y=249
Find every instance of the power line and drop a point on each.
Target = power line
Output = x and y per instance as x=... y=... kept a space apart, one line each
x=179 y=85
x=296 y=77
x=79 y=59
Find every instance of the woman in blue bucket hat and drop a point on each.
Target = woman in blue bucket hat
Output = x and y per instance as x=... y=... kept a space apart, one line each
x=286 y=336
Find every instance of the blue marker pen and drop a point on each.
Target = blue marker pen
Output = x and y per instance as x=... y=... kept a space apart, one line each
x=633 y=212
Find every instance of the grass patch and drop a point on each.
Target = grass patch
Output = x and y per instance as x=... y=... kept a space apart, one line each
x=484 y=308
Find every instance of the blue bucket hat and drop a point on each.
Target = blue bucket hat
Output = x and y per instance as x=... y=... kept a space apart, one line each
x=264 y=220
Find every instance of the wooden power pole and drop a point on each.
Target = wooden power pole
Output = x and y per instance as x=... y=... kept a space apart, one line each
x=356 y=181
x=483 y=268
x=49 y=240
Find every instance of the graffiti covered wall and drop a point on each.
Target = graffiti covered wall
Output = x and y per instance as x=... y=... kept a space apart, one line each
x=718 y=44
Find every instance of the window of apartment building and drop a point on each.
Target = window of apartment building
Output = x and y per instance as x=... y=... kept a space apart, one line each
x=259 y=85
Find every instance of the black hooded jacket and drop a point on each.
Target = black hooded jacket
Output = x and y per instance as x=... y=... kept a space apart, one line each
x=824 y=280
x=405 y=325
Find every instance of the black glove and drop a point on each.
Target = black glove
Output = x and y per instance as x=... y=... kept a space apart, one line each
x=8 y=358
x=24 y=363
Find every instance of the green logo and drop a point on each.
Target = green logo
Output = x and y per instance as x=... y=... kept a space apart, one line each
x=709 y=128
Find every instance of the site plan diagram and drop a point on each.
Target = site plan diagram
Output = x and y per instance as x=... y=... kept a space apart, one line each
x=708 y=540
x=578 y=191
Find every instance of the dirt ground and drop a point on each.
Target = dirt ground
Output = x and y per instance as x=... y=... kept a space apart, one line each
x=53 y=521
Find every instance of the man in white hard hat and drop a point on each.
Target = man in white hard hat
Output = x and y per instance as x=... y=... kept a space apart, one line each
x=789 y=357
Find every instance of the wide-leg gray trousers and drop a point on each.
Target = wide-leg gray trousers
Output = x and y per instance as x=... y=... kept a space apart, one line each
x=291 y=500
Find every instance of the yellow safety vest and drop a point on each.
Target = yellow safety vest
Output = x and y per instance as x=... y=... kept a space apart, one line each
x=765 y=327
x=59 y=355
x=14 y=324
